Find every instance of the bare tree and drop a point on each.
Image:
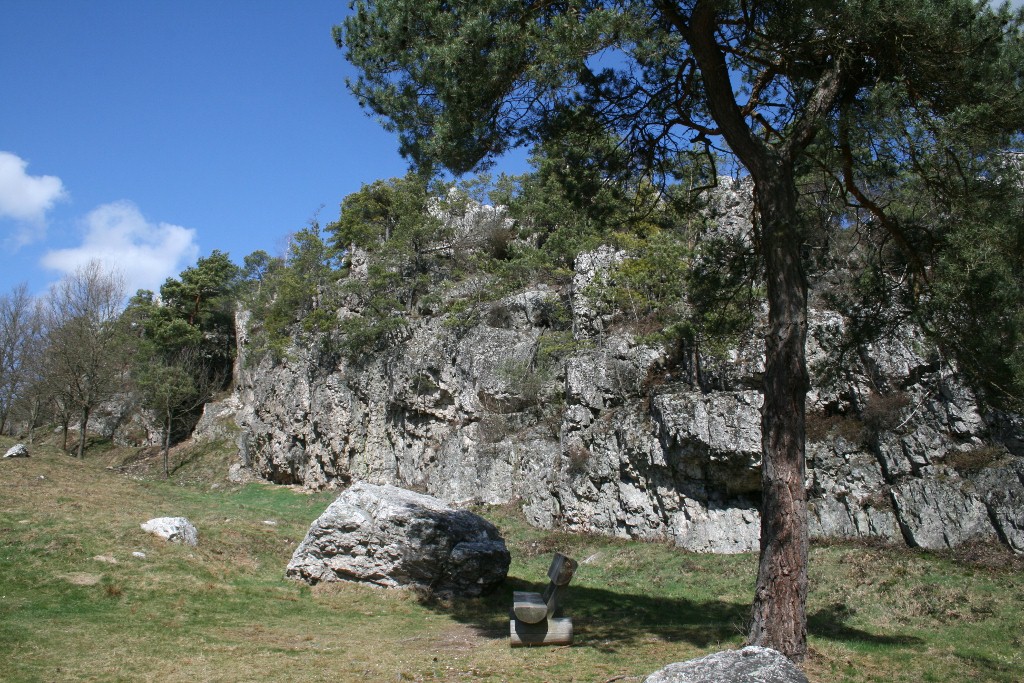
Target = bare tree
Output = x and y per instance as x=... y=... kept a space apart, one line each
x=61 y=406
x=86 y=359
x=16 y=345
x=34 y=396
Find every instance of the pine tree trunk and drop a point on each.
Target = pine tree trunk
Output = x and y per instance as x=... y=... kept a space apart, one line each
x=779 y=612
x=779 y=619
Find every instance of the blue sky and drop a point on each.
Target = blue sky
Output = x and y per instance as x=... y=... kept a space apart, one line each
x=148 y=133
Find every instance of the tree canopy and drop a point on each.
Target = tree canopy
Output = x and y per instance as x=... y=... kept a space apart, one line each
x=873 y=93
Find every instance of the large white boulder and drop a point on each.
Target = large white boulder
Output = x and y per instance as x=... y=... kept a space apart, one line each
x=18 y=450
x=392 y=537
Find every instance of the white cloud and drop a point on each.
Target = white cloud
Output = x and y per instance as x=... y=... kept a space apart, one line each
x=119 y=236
x=25 y=198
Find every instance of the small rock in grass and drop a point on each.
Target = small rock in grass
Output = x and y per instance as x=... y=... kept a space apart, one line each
x=18 y=450
x=174 y=529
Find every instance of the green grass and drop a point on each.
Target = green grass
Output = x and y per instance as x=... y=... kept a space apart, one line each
x=224 y=611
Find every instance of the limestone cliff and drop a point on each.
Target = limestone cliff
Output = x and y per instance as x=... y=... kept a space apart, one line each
x=621 y=438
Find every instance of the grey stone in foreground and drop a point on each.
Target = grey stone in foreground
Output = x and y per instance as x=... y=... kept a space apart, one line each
x=749 y=665
x=174 y=529
x=392 y=537
x=18 y=450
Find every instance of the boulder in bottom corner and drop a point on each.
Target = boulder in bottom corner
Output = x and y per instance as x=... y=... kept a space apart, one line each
x=749 y=665
x=392 y=537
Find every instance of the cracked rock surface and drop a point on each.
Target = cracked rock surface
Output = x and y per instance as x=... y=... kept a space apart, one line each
x=622 y=438
x=392 y=537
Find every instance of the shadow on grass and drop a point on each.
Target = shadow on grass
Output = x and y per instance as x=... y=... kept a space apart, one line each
x=998 y=671
x=607 y=620
x=830 y=622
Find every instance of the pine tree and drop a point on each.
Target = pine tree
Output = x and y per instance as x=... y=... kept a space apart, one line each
x=763 y=83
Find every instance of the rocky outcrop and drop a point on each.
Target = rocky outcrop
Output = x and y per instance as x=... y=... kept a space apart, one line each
x=217 y=421
x=621 y=438
x=749 y=665
x=391 y=537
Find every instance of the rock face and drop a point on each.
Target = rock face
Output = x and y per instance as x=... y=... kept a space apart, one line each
x=749 y=665
x=392 y=537
x=239 y=474
x=621 y=438
x=18 y=450
x=173 y=529
x=217 y=421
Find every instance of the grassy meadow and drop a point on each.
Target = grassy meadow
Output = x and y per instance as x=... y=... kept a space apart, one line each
x=76 y=605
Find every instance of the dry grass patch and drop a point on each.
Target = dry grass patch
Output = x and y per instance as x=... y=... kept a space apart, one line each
x=225 y=612
x=82 y=578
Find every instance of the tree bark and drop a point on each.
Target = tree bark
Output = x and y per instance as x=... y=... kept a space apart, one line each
x=81 y=433
x=167 y=445
x=33 y=418
x=779 y=619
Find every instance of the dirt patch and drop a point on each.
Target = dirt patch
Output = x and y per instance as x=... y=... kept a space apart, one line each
x=456 y=638
x=83 y=579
